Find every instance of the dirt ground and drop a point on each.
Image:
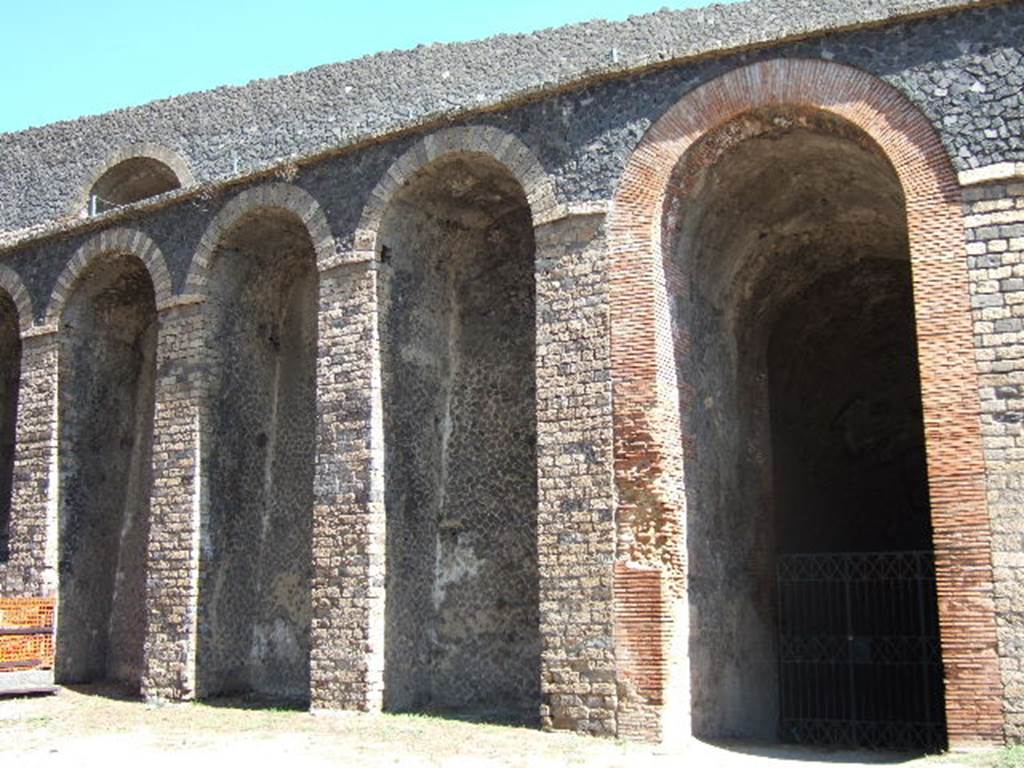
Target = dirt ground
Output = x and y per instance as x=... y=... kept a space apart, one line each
x=92 y=726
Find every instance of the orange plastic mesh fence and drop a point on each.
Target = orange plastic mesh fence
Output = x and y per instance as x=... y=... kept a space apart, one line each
x=18 y=651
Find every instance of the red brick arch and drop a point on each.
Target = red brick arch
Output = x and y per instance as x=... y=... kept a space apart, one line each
x=649 y=471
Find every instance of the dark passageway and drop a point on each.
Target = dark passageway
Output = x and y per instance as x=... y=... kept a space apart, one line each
x=790 y=276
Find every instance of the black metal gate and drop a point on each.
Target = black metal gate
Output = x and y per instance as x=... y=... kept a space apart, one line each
x=860 y=661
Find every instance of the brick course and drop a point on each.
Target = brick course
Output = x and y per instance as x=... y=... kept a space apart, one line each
x=31 y=566
x=347 y=655
x=176 y=505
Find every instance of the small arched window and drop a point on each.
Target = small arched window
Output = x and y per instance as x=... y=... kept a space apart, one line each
x=129 y=181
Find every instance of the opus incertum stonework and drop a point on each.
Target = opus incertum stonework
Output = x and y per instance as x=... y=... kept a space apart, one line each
x=642 y=379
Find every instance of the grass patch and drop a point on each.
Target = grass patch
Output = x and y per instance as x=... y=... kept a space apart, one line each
x=1010 y=758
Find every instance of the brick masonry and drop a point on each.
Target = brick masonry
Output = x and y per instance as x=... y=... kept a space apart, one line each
x=994 y=219
x=611 y=505
x=176 y=505
x=271 y=122
x=32 y=561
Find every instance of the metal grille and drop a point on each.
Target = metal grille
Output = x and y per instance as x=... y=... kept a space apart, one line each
x=859 y=656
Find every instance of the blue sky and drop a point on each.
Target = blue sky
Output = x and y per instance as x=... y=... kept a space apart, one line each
x=66 y=58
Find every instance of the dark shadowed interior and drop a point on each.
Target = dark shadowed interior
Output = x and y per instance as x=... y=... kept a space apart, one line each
x=130 y=181
x=10 y=376
x=788 y=268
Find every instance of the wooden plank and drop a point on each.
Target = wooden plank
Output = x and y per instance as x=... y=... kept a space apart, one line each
x=29 y=690
x=28 y=664
x=25 y=631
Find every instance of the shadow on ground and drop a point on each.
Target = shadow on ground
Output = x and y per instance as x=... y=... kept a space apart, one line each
x=257 y=702
x=805 y=754
x=106 y=690
x=503 y=717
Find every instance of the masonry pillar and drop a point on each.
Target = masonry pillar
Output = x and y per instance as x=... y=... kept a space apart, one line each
x=31 y=568
x=651 y=602
x=995 y=247
x=347 y=639
x=575 y=476
x=176 y=505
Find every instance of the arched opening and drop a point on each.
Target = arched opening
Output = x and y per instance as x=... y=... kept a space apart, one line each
x=107 y=370
x=811 y=583
x=10 y=376
x=256 y=543
x=130 y=181
x=458 y=350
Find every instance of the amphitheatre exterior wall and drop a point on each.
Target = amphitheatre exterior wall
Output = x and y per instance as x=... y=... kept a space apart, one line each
x=579 y=126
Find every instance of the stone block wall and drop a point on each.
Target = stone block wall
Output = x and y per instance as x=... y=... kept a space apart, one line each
x=347 y=636
x=31 y=565
x=994 y=218
x=261 y=302
x=575 y=506
x=106 y=379
x=457 y=312
x=961 y=86
x=176 y=502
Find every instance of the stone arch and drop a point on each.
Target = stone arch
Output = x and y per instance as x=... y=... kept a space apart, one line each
x=256 y=274
x=157 y=154
x=11 y=283
x=104 y=310
x=456 y=323
x=122 y=240
x=504 y=147
x=647 y=432
x=277 y=195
